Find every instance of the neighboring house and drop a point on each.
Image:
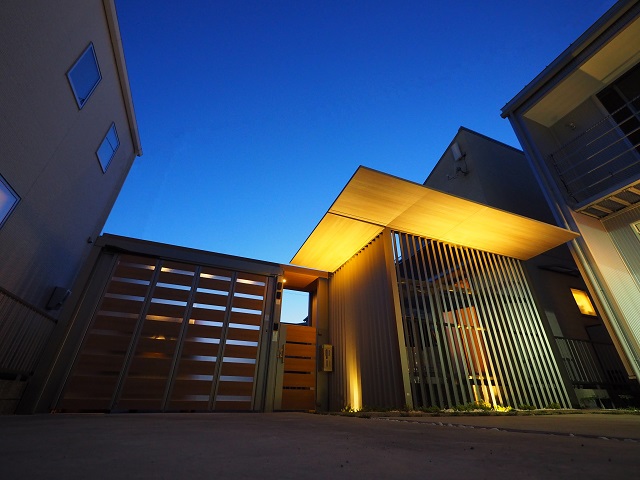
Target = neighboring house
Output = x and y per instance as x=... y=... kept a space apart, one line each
x=487 y=171
x=68 y=137
x=579 y=124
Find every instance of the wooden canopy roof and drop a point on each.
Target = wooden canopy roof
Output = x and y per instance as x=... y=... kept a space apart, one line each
x=373 y=200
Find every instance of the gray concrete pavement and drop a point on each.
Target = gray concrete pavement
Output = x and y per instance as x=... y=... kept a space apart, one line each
x=612 y=426
x=297 y=445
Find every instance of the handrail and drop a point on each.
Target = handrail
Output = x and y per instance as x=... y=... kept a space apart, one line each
x=15 y=298
x=590 y=362
x=604 y=153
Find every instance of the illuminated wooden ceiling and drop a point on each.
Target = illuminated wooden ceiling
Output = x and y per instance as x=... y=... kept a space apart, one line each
x=374 y=200
x=299 y=278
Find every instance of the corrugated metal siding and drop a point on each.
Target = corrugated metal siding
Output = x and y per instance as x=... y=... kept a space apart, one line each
x=24 y=332
x=628 y=245
x=625 y=239
x=472 y=329
x=367 y=369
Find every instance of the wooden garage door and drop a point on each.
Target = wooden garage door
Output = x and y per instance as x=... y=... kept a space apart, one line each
x=170 y=336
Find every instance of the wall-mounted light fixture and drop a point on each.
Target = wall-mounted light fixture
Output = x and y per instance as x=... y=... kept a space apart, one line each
x=459 y=161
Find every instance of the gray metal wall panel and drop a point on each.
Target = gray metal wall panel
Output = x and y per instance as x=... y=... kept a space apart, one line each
x=625 y=239
x=48 y=146
x=24 y=332
x=628 y=245
x=362 y=328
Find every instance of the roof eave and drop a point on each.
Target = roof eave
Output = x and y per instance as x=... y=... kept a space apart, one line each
x=372 y=201
x=571 y=52
x=123 y=76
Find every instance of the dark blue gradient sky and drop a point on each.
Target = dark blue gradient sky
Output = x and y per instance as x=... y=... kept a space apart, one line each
x=254 y=114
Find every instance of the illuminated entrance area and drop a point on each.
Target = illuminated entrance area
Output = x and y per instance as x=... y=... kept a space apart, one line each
x=471 y=328
x=415 y=321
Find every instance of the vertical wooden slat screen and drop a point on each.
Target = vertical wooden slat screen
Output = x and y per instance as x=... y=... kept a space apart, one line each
x=170 y=336
x=472 y=330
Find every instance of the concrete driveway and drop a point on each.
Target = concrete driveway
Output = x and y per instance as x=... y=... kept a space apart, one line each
x=298 y=445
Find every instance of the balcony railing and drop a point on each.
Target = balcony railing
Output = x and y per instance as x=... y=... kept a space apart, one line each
x=591 y=364
x=602 y=160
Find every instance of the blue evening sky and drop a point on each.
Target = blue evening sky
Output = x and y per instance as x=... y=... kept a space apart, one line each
x=254 y=114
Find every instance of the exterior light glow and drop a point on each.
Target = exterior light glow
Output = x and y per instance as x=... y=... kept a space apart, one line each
x=373 y=200
x=356 y=397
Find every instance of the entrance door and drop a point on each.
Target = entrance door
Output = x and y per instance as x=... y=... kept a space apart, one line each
x=296 y=368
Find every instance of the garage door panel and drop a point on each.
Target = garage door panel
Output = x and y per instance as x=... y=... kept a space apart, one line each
x=240 y=351
x=232 y=406
x=235 y=388
x=243 y=334
x=188 y=366
x=203 y=331
x=243 y=318
x=207 y=314
x=139 y=354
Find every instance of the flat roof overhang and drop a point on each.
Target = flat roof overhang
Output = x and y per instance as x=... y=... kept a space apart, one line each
x=372 y=201
x=300 y=278
x=563 y=84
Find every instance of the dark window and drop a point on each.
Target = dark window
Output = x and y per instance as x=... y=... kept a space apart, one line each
x=108 y=147
x=8 y=200
x=622 y=101
x=84 y=76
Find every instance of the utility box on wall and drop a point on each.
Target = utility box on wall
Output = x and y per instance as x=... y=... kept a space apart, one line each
x=327 y=358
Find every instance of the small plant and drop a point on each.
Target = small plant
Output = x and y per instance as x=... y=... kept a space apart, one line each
x=526 y=407
x=553 y=406
x=471 y=406
x=430 y=409
x=500 y=408
x=349 y=409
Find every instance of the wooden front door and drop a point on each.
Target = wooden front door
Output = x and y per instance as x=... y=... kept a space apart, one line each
x=296 y=368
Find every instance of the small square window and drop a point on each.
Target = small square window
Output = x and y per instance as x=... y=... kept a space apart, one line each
x=8 y=200
x=584 y=302
x=84 y=76
x=108 y=147
x=636 y=229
